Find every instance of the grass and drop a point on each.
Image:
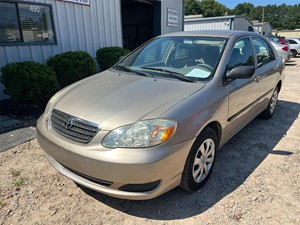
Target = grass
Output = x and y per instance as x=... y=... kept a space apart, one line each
x=19 y=181
x=15 y=173
x=2 y=204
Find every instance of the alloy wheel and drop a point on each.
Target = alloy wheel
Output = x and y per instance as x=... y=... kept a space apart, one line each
x=273 y=102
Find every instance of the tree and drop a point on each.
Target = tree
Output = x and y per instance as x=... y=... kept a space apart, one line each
x=210 y=8
x=243 y=8
x=279 y=16
x=191 y=7
x=256 y=13
x=293 y=17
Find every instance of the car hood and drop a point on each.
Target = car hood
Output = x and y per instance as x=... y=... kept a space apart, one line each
x=113 y=99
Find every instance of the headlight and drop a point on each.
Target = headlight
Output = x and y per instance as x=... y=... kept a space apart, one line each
x=49 y=106
x=142 y=134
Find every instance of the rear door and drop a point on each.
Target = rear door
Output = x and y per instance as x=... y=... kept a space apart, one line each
x=267 y=71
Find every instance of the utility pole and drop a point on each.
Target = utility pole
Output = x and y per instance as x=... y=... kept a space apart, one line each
x=262 y=21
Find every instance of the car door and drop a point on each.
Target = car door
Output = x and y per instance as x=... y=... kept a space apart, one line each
x=268 y=69
x=242 y=93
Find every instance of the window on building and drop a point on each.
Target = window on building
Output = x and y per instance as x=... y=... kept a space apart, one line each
x=25 y=23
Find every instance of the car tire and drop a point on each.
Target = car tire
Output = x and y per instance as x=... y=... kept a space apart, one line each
x=270 y=110
x=200 y=160
x=294 y=53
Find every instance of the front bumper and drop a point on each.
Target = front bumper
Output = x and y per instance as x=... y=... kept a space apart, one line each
x=154 y=170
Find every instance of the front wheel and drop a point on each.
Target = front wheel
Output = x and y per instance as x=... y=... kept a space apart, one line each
x=200 y=161
x=269 y=111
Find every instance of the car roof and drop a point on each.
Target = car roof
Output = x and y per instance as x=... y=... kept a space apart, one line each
x=212 y=33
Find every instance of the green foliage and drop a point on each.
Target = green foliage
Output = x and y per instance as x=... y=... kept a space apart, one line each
x=108 y=56
x=284 y=17
x=191 y=7
x=72 y=66
x=15 y=173
x=2 y=204
x=208 y=8
x=19 y=182
x=243 y=9
x=28 y=82
x=211 y=8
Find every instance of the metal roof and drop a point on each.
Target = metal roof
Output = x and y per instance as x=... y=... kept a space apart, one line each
x=200 y=18
x=211 y=33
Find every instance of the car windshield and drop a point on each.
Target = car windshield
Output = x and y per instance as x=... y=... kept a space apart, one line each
x=187 y=59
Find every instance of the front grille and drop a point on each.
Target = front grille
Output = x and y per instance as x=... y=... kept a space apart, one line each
x=74 y=128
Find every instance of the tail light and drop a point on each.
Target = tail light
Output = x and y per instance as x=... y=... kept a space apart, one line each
x=286 y=48
x=282 y=41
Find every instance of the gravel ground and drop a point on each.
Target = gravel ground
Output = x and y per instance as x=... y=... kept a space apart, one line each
x=256 y=180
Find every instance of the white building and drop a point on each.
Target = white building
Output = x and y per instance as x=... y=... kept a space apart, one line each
x=263 y=28
x=37 y=29
x=238 y=22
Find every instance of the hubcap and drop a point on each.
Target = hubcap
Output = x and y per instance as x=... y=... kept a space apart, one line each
x=273 y=101
x=204 y=159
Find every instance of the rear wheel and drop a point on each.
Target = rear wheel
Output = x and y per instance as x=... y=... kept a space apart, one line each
x=294 y=53
x=269 y=111
x=200 y=160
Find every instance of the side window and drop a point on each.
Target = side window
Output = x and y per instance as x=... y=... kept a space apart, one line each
x=241 y=54
x=292 y=42
x=264 y=53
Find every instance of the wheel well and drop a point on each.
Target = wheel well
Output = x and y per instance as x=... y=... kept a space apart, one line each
x=294 y=52
x=279 y=86
x=216 y=126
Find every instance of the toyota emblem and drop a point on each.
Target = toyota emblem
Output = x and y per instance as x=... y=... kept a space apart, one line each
x=68 y=123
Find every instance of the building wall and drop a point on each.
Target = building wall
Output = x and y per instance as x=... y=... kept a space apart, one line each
x=172 y=4
x=217 y=23
x=84 y=28
x=241 y=23
x=267 y=29
x=264 y=28
x=287 y=33
x=77 y=27
x=207 y=24
x=80 y=27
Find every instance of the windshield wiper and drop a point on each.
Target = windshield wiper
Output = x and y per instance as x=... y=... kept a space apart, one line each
x=177 y=75
x=128 y=69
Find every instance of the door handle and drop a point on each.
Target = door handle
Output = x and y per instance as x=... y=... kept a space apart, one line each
x=257 y=79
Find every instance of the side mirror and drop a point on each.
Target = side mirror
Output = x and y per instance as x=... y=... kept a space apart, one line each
x=240 y=72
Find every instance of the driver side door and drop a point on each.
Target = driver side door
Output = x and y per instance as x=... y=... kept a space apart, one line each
x=243 y=94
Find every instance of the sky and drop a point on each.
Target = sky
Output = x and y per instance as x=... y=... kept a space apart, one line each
x=232 y=3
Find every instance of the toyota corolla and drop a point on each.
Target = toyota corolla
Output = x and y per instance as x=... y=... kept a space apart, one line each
x=156 y=119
